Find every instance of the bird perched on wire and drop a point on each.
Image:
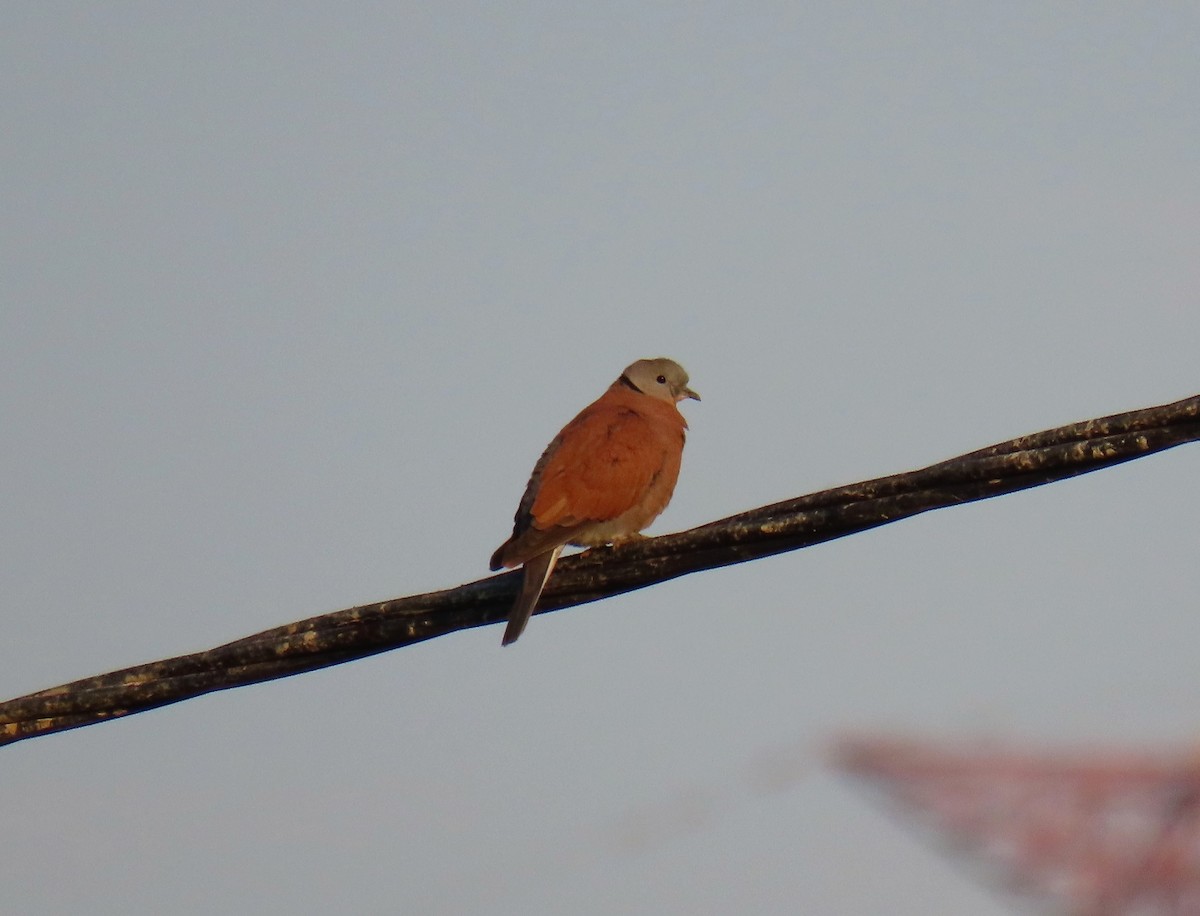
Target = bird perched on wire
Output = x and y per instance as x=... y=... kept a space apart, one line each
x=607 y=475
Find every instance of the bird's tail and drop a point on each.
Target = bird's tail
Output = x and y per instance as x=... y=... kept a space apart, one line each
x=535 y=575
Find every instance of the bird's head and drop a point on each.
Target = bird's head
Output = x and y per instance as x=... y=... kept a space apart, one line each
x=660 y=378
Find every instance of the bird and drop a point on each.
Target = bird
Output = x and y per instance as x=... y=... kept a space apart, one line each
x=607 y=475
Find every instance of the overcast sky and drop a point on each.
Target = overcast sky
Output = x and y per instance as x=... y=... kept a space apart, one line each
x=293 y=295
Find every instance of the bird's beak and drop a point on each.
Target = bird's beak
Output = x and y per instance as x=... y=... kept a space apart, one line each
x=687 y=393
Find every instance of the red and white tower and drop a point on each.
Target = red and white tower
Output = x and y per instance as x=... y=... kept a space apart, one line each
x=1101 y=833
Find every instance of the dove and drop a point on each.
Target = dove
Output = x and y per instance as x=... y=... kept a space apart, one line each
x=607 y=475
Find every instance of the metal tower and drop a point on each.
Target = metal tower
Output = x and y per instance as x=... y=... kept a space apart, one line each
x=1096 y=833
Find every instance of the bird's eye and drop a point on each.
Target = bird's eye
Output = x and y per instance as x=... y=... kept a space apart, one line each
x=662 y=380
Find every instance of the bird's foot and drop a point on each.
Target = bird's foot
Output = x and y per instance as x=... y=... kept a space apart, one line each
x=614 y=543
x=628 y=539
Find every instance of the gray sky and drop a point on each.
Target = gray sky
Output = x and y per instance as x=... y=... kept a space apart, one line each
x=293 y=295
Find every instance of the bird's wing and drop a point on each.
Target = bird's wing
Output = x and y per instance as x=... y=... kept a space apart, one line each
x=600 y=466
